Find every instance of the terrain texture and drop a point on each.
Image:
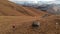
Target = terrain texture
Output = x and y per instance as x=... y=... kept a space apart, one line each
x=22 y=18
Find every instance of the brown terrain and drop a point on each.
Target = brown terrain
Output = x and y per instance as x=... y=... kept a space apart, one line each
x=11 y=9
x=22 y=18
x=23 y=25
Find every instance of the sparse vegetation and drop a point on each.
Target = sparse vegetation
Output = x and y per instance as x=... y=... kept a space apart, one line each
x=17 y=19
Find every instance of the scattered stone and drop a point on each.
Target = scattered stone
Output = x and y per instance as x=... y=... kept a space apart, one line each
x=36 y=24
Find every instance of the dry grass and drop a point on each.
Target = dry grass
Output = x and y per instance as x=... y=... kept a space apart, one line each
x=11 y=9
x=21 y=17
x=23 y=25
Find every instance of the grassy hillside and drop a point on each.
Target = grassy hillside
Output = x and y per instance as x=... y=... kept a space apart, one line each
x=8 y=8
x=19 y=16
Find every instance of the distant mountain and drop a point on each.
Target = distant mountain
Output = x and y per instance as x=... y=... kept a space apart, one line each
x=36 y=3
x=52 y=7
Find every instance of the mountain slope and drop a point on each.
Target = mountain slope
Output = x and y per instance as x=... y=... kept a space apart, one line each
x=8 y=8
